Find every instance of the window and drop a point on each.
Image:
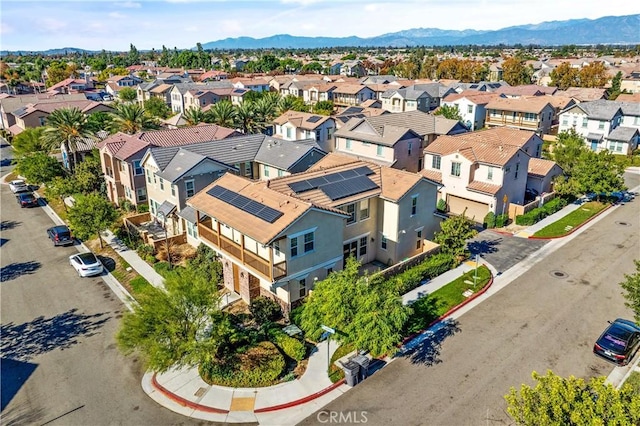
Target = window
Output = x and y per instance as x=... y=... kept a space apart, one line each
x=585 y=120
x=515 y=175
x=294 y=247
x=538 y=150
x=173 y=190
x=308 y=242
x=137 y=169
x=363 y=246
x=409 y=149
x=383 y=243
x=601 y=125
x=565 y=121
x=276 y=248
x=43 y=121
x=507 y=169
x=318 y=136
x=435 y=162
x=123 y=168
x=148 y=176
x=379 y=150
x=189 y=188
x=127 y=192
x=348 y=144
x=469 y=109
x=414 y=205
x=419 y=239
x=192 y=230
x=364 y=209
x=350 y=209
x=280 y=173
x=490 y=173
x=455 y=169
x=302 y=285
x=529 y=116
x=365 y=144
x=288 y=132
x=266 y=171
x=619 y=147
x=161 y=184
x=141 y=194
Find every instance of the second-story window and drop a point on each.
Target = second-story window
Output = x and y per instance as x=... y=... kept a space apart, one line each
x=435 y=162
x=137 y=169
x=161 y=184
x=379 y=151
x=266 y=171
x=148 y=176
x=173 y=190
x=601 y=125
x=309 y=239
x=189 y=188
x=350 y=209
x=294 y=247
x=455 y=169
x=409 y=149
x=515 y=175
x=469 y=109
x=490 y=173
x=414 y=205
x=348 y=144
x=364 y=209
x=585 y=121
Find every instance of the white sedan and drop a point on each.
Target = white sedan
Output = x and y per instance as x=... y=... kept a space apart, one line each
x=86 y=264
x=18 y=185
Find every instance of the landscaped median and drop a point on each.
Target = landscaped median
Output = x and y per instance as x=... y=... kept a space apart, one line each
x=574 y=220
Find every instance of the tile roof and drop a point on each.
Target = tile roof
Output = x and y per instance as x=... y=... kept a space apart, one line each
x=161 y=88
x=349 y=88
x=186 y=135
x=528 y=89
x=583 y=94
x=384 y=134
x=483 y=187
x=285 y=154
x=624 y=134
x=628 y=97
x=433 y=175
x=540 y=167
x=475 y=97
x=533 y=104
x=123 y=146
x=302 y=120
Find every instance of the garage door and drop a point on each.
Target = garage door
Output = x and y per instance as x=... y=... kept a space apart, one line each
x=476 y=211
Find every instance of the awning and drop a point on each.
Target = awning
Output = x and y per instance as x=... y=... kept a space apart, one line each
x=188 y=214
x=166 y=209
x=594 y=137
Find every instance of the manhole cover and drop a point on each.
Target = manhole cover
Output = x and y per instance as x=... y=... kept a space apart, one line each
x=558 y=274
x=623 y=223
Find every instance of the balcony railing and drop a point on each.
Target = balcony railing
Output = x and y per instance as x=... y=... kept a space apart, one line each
x=246 y=257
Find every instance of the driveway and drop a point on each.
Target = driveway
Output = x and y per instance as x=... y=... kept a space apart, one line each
x=503 y=251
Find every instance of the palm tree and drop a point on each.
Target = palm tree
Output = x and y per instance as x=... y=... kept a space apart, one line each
x=223 y=114
x=291 y=102
x=66 y=126
x=194 y=116
x=131 y=118
x=247 y=119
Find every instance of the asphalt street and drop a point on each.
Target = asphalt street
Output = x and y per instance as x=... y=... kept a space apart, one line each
x=547 y=318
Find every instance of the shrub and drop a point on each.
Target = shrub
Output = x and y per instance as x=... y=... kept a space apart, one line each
x=295 y=314
x=162 y=268
x=265 y=310
x=258 y=366
x=291 y=346
x=145 y=250
x=151 y=259
x=490 y=220
x=429 y=268
x=142 y=208
x=442 y=205
x=502 y=220
x=139 y=284
x=554 y=205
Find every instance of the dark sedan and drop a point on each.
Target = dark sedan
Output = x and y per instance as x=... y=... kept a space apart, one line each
x=619 y=342
x=27 y=200
x=60 y=235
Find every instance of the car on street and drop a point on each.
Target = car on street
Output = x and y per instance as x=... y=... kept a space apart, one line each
x=60 y=235
x=86 y=264
x=619 y=342
x=27 y=199
x=18 y=185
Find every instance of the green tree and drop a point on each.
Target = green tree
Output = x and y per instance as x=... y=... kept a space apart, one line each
x=567 y=150
x=100 y=121
x=207 y=264
x=181 y=326
x=109 y=72
x=450 y=112
x=564 y=76
x=593 y=75
x=131 y=118
x=39 y=167
x=631 y=287
x=91 y=214
x=598 y=172
x=453 y=235
x=194 y=115
x=247 y=119
x=323 y=107
x=29 y=141
x=265 y=311
x=515 y=72
x=60 y=187
x=127 y=94
x=223 y=114
x=616 y=83
x=156 y=107
x=67 y=126
x=292 y=103
x=133 y=57
x=57 y=72
x=87 y=176
x=558 y=401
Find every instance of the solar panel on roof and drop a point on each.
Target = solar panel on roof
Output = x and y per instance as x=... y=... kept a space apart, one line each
x=317 y=181
x=363 y=171
x=348 y=187
x=314 y=119
x=348 y=174
x=245 y=204
x=301 y=186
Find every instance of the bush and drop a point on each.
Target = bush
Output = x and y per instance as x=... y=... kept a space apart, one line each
x=296 y=314
x=258 y=366
x=539 y=213
x=151 y=259
x=139 y=284
x=442 y=205
x=412 y=277
x=265 y=310
x=142 y=208
x=489 y=220
x=502 y=220
x=292 y=347
x=162 y=268
x=554 y=205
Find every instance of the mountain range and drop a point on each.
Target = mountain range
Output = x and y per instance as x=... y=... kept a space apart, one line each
x=605 y=30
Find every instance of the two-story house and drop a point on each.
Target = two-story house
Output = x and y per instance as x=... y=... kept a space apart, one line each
x=278 y=237
x=116 y=83
x=294 y=125
x=277 y=158
x=180 y=89
x=527 y=113
x=352 y=68
x=407 y=99
x=121 y=156
x=436 y=92
x=482 y=171
x=257 y=84
x=11 y=103
x=348 y=94
x=318 y=92
x=471 y=105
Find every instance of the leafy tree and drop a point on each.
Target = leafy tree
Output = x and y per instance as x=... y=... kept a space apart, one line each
x=91 y=214
x=100 y=121
x=292 y=103
x=564 y=76
x=598 y=172
x=323 y=107
x=450 y=112
x=156 y=107
x=311 y=68
x=57 y=72
x=127 y=94
x=181 y=326
x=87 y=176
x=567 y=150
x=194 y=116
x=109 y=72
x=223 y=114
x=631 y=287
x=593 y=75
x=616 y=83
x=69 y=127
x=453 y=235
x=131 y=118
x=61 y=187
x=39 y=167
x=247 y=119
x=515 y=72
x=134 y=56
x=206 y=264
x=265 y=311
x=558 y=401
x=29 y=141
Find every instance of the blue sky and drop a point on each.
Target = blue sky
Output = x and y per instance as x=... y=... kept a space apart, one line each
x=113 y=25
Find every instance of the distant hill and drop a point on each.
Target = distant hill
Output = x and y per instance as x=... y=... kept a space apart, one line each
x=606 y=30
x=49 y=52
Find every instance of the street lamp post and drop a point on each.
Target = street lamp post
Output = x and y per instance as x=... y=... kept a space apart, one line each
x=328 y=331
x=166 y=237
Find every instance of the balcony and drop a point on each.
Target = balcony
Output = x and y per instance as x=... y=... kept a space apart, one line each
x=247 y=258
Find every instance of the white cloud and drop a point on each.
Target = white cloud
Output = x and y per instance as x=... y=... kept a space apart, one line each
x=129 y=5
x=301 y=2
x=53 y=25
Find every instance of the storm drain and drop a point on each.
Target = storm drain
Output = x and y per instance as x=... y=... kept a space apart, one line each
x=559 y=274
x=623 y=223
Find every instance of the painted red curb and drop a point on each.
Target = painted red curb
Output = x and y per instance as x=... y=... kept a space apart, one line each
x=531 y=237
x=301 y=400
x=507 y=233
x=185 y=402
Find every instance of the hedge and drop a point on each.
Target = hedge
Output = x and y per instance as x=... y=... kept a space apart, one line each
x=489 y=220
x=261 y=365
x=502 y=220
x=412 y=277
x=539 y=213
x=291 y=346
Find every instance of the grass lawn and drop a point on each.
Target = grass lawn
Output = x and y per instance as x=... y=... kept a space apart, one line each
x=336 y=373
x=634 y=381
x=577 y=217
x=451 y=294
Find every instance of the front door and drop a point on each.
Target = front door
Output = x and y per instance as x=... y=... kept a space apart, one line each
x=350 y=249
x=236 y=278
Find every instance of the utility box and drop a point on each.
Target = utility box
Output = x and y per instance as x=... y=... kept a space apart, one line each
x=351 y=370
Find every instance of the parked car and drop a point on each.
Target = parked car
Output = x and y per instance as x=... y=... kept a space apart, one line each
x=86 y=264
x=27 y=199
x=619 y=342
x=18 y=185
x=60 y=235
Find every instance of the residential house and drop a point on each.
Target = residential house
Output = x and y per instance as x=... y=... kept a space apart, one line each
x=481 y=86
x=583 y=94
x=528 y=113
x=436 y=92
x=353 y=68
x=11 y=103
x=294 y=125
x=631 y=81
x=471 y=106
x=121 y=155
x=257 y=84
x=213 y=75
x=71 y=85
x=278 y=238
x=318 y=92
x=495 y=72
x=144 y=90
x=604 y=124
x=347 y=94
x=482 y=171
x=525 y=90
x=541 y=174
x=180 y=89
x=277 y=158
x=407 y=99
x=116 y=83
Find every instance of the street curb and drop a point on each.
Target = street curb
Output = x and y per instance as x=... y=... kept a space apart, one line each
x=182 y=401
x=531 y=237
x=301 y=400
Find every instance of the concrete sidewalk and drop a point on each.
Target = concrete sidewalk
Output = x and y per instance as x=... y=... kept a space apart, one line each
x=526 y=233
